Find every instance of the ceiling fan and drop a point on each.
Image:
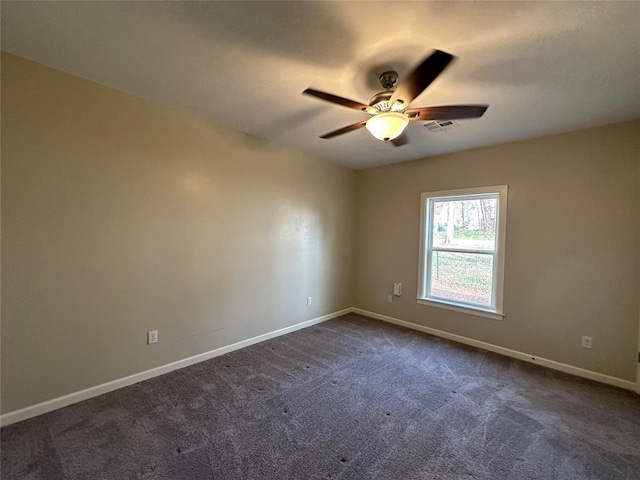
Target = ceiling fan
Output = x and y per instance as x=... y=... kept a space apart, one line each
x=389 y=109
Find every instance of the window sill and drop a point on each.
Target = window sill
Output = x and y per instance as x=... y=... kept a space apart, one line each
x=457 y=307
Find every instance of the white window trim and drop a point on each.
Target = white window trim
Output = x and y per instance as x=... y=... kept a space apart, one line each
x=497 y=312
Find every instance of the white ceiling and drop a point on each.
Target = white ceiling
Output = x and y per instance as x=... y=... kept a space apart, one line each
x=543 y=67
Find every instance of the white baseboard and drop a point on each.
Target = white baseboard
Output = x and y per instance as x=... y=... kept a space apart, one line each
x=563 y=367
x=60 y=402
x=66 y=400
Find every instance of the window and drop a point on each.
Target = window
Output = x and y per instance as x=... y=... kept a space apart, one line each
x=462 y=243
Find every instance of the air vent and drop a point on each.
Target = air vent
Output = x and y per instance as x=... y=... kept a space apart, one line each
x=440 y=125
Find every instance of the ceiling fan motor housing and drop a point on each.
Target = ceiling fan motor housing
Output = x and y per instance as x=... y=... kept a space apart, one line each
x=380 y=101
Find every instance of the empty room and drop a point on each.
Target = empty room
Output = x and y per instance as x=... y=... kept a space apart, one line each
x=320 y=240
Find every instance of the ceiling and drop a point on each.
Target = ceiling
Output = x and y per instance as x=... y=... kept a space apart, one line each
x=543 y=67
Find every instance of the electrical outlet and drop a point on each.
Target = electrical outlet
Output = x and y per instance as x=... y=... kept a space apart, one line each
x=152 y=337
x=309 y=301
x=586 y=342
x=390 y=298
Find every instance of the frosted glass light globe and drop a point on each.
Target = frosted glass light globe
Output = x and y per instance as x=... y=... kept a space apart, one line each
x=386 y=126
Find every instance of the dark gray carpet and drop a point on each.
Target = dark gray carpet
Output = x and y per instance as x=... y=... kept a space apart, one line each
x=351 y=398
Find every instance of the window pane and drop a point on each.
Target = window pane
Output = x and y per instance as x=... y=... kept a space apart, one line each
x=462 y=277
x=465 y=224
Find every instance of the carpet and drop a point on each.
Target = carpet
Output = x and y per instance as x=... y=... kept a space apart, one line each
x=351 y=398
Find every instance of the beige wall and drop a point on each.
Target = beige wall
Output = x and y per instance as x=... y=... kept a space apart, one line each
x=572 y=243
x=121 y=216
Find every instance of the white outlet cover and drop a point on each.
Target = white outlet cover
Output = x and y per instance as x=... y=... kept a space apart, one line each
x=152 y=337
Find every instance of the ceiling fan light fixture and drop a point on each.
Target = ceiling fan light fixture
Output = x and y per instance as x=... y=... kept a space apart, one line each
x=386 y=126
x=389 y=110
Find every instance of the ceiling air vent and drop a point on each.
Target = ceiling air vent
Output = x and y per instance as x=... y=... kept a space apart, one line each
x=440 y=125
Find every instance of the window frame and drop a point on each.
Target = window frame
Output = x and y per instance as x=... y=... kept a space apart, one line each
x=427 y=200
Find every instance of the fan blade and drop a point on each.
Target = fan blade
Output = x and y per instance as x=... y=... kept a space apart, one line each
x=343 y=130
x=403 y=139
x=420 y=78
x=345 y=102
x=447 y=112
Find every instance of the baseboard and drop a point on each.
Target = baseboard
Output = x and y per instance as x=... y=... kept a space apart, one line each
x=66 y=400
x=563 y=367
